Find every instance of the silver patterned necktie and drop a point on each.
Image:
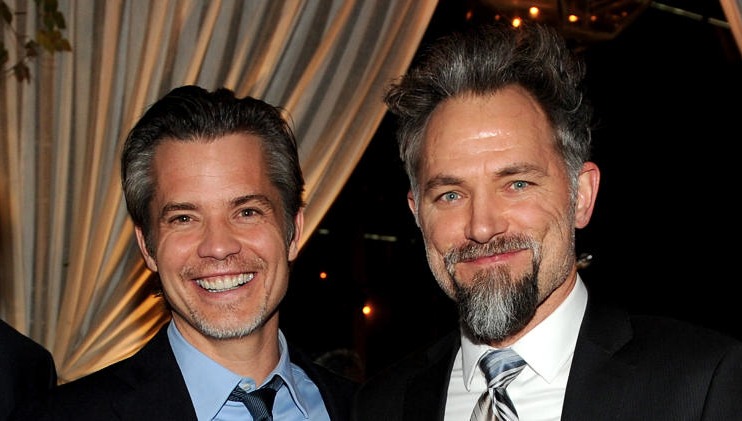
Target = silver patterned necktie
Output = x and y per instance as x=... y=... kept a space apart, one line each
x=500 y=367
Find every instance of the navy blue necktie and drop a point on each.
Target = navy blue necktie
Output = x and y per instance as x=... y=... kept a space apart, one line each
x=259 y=402
x=500 y=367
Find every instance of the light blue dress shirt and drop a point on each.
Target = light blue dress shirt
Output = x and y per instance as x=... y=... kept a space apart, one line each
x=209 y=385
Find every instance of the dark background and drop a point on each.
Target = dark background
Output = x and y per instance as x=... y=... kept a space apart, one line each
x=667 y=95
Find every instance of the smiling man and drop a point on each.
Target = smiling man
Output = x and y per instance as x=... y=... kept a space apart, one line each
x=494 y=131
x=213 y=185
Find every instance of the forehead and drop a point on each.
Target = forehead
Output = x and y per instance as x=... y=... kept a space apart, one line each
x=236 y=147
x=201 y=169
x=474 y=126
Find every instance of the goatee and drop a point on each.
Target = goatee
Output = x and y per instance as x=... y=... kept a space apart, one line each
x=494 y=305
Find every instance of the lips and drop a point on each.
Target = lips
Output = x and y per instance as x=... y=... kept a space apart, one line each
x=225 y=283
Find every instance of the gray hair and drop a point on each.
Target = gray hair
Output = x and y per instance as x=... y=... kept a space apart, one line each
x=484 y=60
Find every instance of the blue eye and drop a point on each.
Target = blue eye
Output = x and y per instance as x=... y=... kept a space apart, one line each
x=450 y=196
x=520 y=184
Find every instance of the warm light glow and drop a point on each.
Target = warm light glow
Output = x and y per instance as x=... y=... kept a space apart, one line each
x=533 y=11
x=517 y=22
x=323 y=275
x=366 y=310
x=573 y=18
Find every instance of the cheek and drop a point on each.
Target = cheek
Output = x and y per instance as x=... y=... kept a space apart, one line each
x=539 y=210
x=545 y=222
x=531 y=216
x=173 y=248
x=558 y=214
x=442 y=233
x=268 y=236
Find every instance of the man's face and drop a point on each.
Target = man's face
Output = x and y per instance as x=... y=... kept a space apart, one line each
x=495 y=209
x=218 y=236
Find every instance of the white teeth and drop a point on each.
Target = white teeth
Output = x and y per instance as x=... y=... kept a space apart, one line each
x=224 y=283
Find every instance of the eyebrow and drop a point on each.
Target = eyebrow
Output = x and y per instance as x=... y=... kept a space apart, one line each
x=259 y=198
x=519 y=168
x=442 y=180
x=510 y=170
x=176 y=207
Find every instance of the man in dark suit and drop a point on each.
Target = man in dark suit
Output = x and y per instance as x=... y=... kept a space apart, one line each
x=213 y=185
x=26 y=369
x=494 y=132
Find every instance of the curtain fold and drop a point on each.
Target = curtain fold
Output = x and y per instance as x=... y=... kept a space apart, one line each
x=733 y=12
x=70 y=274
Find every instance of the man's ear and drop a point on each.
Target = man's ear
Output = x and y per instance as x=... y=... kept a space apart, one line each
x=151 y=262
x=413 y=206
x=298 y=230
x=587 y=191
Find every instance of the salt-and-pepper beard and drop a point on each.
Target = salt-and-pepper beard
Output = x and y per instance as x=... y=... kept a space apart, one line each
x=493 y=305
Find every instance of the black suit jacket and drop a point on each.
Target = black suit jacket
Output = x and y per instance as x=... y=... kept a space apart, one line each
x=624 y=368
x=26 y=369
x=149 y=386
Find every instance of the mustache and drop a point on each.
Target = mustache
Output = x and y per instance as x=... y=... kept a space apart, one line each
x=499 y=245
x=231 y=264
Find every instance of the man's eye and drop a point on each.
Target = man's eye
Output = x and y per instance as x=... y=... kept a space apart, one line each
x=249 y=212
x=449 y=196
x=180 y=219
x=520 y=184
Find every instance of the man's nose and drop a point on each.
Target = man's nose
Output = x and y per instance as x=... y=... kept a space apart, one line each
x=219 y=240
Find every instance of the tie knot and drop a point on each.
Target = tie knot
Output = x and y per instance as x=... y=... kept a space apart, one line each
x=501 y=366
x=260 y=401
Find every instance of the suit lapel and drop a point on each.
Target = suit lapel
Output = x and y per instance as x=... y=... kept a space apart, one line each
x=337 y=393
x=157 y=389
x=425 y=396
x=597 y=370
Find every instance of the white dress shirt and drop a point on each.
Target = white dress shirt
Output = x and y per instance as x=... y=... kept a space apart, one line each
x=538 y=391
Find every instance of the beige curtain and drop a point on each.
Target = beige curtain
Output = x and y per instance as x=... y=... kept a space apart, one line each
x=70 y=274
x=733 y=12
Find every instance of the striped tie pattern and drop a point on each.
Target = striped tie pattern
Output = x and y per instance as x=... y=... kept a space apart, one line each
x=259 y=402
x=500 y=367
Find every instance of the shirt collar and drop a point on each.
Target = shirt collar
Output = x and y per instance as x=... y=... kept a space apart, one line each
x=209 y=384
x=558 y=333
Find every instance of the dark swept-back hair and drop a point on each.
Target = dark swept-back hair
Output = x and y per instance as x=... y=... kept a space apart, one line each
x=482 y=61
x=191 y=113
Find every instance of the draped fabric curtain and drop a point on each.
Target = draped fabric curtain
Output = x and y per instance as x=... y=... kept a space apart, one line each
x=733 y=12
x=70 y=274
